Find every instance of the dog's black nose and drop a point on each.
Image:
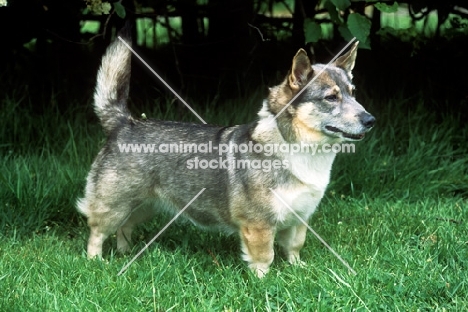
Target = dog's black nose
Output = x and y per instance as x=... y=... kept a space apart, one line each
x=367 y=120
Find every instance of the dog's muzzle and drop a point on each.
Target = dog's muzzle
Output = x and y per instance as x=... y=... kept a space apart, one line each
x=367 y=120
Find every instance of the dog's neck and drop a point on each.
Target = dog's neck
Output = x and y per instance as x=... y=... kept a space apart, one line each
x=312 y=167
x=312 y=170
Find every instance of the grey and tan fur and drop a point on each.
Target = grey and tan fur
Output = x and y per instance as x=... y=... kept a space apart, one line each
x=124 y=189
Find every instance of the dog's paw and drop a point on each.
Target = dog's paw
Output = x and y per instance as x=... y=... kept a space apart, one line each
x=94 y=256
x=124 y=249
x=296 y=260
x=259 y=269
x=93 y=253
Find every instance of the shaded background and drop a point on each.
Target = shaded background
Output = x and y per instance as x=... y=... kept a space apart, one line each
x=212 y=50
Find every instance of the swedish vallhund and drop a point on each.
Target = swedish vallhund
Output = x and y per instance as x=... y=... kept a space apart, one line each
x=253 y=174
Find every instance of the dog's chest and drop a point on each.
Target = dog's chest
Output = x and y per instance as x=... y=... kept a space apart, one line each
x=304 y=193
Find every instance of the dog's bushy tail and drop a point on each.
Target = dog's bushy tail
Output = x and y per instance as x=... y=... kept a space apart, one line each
x=113 y=83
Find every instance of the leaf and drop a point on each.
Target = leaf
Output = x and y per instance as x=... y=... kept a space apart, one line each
x=312 y=31
x=347 y=35
x=341 y=4
x=365 y=44
x=119 y=9
x=332 y=10
x=383 y=7
x=359 y=26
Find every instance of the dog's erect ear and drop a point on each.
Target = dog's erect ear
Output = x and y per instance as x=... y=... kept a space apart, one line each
x=347 y=61
x=301 y=70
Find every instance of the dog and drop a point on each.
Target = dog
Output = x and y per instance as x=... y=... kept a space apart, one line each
x=246 y=191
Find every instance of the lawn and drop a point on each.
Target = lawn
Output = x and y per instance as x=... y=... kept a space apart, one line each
x=395 y=211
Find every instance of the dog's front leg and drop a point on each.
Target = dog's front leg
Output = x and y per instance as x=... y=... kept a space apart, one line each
x=257 y=246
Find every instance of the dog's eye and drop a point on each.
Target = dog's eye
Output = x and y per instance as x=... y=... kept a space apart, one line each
x=331 y=98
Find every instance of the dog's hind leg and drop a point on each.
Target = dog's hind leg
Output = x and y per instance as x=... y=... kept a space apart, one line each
x=103 y=221
x=124 y=233
x=291 y=241
x=97 y=236
x=257 y=246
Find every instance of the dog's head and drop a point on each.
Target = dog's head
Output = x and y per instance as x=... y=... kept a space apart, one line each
x=317 y=102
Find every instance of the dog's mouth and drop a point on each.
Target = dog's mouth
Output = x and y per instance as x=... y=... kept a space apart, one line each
x=347 y=135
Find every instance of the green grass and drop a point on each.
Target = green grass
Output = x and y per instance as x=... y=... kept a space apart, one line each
x=395 y=210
